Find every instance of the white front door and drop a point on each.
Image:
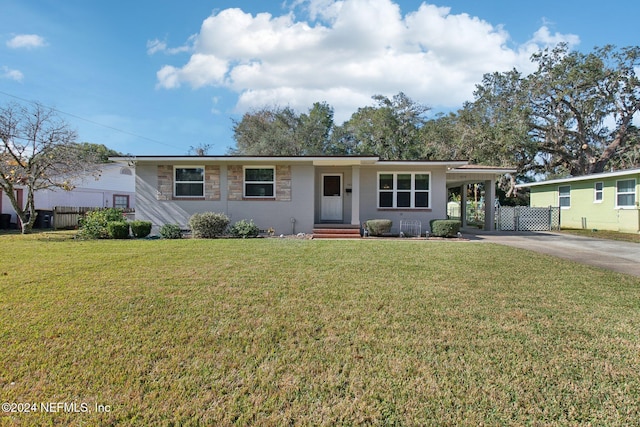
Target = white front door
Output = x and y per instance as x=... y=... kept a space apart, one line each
x=331 y=204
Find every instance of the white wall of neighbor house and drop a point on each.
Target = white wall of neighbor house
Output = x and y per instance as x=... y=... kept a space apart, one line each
x=89 y=191
x=284 y=217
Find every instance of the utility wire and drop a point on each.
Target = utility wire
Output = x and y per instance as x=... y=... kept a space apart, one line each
x=94 y=122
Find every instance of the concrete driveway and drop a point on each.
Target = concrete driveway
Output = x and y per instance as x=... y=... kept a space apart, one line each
x=623 y=257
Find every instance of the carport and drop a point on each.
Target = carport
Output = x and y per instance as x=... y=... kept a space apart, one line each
x=462 y=176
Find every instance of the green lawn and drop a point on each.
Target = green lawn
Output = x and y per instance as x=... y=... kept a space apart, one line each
x=604 y=234
x=306 y=332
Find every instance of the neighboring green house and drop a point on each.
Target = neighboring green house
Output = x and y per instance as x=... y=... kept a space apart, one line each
x=604 y=201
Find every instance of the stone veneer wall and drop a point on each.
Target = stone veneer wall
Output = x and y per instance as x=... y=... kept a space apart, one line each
x=211 y=182
x=234 y=180
x=165 y=182
x=283 y=183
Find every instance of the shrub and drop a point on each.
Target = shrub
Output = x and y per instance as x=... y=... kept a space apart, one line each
x=94 y=223
x=208 y=225
x=444 y=227
x=243 y=229
x=118 y=229
x=140 y=229
x=171 y=231
x=378 y=227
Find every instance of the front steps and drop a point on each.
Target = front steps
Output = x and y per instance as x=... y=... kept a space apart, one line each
x=336 y=231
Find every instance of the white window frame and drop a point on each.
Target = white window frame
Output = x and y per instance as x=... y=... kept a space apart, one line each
x=176 y=182
x=567 y=196
x=395 y=190
x=121 y=195
x=597 y=192
x=633 y=192
x=245 y=182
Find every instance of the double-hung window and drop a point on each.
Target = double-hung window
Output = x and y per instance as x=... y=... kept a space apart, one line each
x=598 y=192
x=260 y=182
x=189 y=181
x=564 y=196
x=626 y=193
x=404 y=190
x=120 y=201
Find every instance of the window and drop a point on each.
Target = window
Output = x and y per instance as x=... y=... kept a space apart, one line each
x=403 y=190
x=598 y=192
x=626 y=193
x=120 y=201
x=259 y=182
x=564 y=196
x=189 y=181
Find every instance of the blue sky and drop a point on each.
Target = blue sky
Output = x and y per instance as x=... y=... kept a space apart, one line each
x=157 y=77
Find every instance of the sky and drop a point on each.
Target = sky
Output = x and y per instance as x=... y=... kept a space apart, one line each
x=157 y=77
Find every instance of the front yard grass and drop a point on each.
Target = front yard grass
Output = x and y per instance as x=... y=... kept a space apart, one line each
x=302 y=332
x=604 y=234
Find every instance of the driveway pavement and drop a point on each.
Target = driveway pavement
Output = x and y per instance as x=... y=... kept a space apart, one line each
x=623 y=257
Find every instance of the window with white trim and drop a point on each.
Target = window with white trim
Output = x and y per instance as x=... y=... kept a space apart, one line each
x=120 y=201
x=598 y=192
x=404 y=190
x=260 y=182
x=564 y=196
x=626 y=193
x=188 y=181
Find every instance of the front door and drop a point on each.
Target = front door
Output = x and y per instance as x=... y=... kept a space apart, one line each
x=331 y=204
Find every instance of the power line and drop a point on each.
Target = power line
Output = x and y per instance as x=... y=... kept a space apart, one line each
x=93 y=122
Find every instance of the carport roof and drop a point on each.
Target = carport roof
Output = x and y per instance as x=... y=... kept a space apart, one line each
x=582 y=178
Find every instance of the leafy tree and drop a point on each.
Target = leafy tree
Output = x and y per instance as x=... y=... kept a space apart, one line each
x=314 y=129
x=100 y=152
x=389 y=130
x=37 y=151
x=573 y=116
x=282 y=132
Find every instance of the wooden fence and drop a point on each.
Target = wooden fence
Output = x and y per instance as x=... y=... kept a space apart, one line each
x=68 y=217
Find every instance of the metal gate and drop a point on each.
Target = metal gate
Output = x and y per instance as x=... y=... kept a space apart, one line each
x=525 y=218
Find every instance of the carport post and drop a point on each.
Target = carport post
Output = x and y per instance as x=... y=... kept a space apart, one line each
x=489 y=205
x=463 y=205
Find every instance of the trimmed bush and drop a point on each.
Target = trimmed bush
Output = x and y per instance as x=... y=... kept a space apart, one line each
x=244 y=229
x=94 y=223
x=444 y=227
x=208 y=225
x=171 y=231
x=140 y=229
x=118 y=229
x=378 y=227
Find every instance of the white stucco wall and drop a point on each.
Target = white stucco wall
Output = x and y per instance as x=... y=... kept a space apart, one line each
x=369 y=197
x=264 y=213
x=305 y=204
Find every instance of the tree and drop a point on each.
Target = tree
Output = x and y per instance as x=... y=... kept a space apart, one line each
x=389 y=130
x=199 y=150
x=38 y=152
x=100 y=151
x=572 y=116
x=282 y=132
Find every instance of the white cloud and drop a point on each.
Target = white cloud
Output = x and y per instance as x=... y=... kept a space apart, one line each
x=544 y=37
x=155 y=46
x=348 y=51
x=8 y=73
x=26 y=41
